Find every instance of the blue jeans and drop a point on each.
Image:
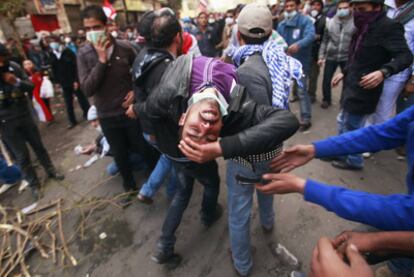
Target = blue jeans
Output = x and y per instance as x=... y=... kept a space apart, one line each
x=136 y=160
x=304 y=101
x=187 y=173
x=159 y=174
x=348 y=122
x=161 y=171
x=240 y=202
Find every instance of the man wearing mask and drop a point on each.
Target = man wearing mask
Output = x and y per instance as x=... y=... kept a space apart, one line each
x=17 y=127
x=205 y=36
x=403 y=12
x=378 y=50
x=299 y=33
x=65 y=73
x=335 y=47
x=320 y=22
x=104 y=67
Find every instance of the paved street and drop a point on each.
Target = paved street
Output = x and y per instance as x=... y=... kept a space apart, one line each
x=132 y=233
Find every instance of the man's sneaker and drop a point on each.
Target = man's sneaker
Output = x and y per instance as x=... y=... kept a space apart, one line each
x=36 y=194
x=172 y=259
x=6 y=187
x=344 y=165
x=144 y=199
x=217 y=215
x=126 y=201
x=305 y=126
x=267 y=230
x=325 y=105
x=23 y=185
x=56 y=175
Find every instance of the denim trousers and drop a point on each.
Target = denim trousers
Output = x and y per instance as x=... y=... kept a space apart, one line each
x=313 y=79
x=387 y=105
x=240 y=204
x=348 y=122
x=163 y=170
x=304 y=101
x=136 y=160
x=187 y=173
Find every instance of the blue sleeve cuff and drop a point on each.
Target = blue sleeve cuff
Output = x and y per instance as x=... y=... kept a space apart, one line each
x=318 y=193
x=322 y=149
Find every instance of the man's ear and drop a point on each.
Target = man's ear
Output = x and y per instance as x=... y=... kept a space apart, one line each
x=239 y=38
x=182 y=119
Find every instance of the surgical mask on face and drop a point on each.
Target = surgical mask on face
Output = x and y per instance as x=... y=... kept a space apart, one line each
x=99 y=129
x=314 y=13
x=289 y=15
x=130 y=34
x=95 y=36
x=114 y=34
x=229 y=20
x=343 y=12
x=211 y=20
x=54 y=45
x=68 y=40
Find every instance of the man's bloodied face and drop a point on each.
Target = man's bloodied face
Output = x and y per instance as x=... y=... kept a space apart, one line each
x=202 y=122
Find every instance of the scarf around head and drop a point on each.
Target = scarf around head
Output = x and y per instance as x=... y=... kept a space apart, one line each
x=282 y=69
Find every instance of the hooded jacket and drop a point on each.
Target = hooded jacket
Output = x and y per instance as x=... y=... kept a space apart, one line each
x=147 y=71
x=248 y=128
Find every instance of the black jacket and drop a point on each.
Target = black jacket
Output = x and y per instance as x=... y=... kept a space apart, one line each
x=13 y=99
x=147 y=71
x=248 y=129
x=319 y=32
x=383 y=47
x=64 y=69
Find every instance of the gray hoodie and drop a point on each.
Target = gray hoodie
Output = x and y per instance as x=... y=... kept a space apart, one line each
x=337 y=38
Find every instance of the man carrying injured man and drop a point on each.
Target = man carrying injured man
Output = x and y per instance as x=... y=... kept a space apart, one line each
x=199 y=113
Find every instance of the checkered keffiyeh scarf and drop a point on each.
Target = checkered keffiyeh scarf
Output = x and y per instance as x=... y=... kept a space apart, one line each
x=282 y=69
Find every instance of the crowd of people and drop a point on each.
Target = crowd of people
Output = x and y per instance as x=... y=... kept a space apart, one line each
x=171 y=95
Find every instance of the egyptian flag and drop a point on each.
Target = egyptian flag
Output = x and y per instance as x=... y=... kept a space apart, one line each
x=109 y=10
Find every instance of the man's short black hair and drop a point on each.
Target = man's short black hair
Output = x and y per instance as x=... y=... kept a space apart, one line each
x=164 y=29
x=342 y=1
x=317 y=1
x=249 y=40
x=201 y=13
x=96 y=12
x=297 y=2
x=145 y=25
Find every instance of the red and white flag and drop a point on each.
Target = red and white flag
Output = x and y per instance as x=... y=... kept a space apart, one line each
x=109 y=10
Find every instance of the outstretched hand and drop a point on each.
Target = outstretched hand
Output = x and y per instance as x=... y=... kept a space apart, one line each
x=326 y=262
x=292 y=158
x=200 y=153
x=282 y=183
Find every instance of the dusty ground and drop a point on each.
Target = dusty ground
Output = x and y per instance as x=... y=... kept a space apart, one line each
x=132 y=233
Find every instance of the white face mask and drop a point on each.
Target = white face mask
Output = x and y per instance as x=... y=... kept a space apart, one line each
x=67 y=40
x=55 y=46
x=99 y=129
x=114 y=34
x=229 y=20
x=95 y=36
x=290 y=15
x=314 y=13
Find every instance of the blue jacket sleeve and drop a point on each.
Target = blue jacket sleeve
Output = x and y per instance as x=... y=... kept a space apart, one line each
x=388 y=135
x=385 y=212
x=308 y=34
x=9 y=174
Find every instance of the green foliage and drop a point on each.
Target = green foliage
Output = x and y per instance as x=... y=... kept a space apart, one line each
x=11 y=8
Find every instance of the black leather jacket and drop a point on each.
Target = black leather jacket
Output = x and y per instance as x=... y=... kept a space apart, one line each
x=248 y=129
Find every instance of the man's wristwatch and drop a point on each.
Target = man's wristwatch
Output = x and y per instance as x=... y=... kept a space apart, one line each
x=385 y=72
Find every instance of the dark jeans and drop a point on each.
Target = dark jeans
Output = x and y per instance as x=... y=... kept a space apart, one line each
x=207 y=175
x=124 y=136
x=313 y=79
x=16 y=133
x=328 y=73
x=83 y=102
